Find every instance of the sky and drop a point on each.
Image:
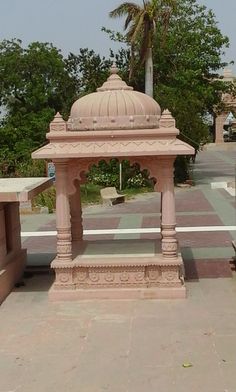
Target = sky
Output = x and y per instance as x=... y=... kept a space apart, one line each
x=74 y=24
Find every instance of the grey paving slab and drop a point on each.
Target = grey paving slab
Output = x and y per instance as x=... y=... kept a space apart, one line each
x=129 y=222
x=207 y=252
x=32 y=222
x=224 y=209
x=226 y=157
x=120 y=248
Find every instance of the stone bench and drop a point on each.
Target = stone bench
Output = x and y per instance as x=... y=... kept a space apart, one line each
x=110 y=196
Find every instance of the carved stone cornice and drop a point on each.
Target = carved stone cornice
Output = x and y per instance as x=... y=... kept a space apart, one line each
x=116 y=148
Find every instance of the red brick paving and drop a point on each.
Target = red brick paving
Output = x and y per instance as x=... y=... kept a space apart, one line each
x=48 y=226
x=48 y=244
x=100 y=237
x=88 y=224
x=100 y=223
x=207 y=268
x=185 y=220
x=151 y=221
x=40 y=244
x=192 y=201
x=150 y=236
x=137 y=207
x=198 y=220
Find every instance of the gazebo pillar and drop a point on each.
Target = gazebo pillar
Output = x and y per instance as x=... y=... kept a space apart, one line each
x=76 y=215
x=168 y=219
x=161 y=212
x=63 y=224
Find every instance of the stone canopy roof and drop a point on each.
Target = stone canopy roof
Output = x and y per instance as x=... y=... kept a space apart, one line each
x=115 y=121
x=114 y=106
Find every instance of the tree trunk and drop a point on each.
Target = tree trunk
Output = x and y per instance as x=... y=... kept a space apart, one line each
x=149 y=73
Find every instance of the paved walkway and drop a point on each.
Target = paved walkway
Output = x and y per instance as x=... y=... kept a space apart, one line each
x=130 y=346
x=114 y=346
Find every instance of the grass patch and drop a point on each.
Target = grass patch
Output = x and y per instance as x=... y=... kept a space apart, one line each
x=90 y=194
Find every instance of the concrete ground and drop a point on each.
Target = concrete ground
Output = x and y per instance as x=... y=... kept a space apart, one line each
x=132 y=346
x=114 y=346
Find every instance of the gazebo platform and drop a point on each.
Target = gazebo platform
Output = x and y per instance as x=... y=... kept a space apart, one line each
x=119 y=269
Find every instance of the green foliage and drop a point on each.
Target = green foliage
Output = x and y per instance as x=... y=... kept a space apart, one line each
x=88 y=69
x=90 y=194
x=187 y=58
x=141 y=22
x=105 y=174
x=34 y=85
x=36 y=82
x=181 y=173
x=46 y=199
x=186 y=67
x=31 y=168
x=33 y=78
x=108 y=174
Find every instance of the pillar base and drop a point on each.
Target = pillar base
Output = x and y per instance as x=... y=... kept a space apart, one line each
x=113 y=277
x=118 y=294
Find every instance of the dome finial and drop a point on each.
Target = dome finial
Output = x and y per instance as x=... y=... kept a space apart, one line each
x=114 y=70
x=114 y=82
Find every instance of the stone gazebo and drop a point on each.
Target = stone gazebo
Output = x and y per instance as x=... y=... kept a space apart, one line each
x=114 y=122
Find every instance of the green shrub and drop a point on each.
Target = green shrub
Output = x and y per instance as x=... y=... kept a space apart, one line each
x=46 y=199
x=181 y=169
x=108 y=174
x=31 y=168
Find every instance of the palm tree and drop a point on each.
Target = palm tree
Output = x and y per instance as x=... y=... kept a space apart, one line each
x=140 y=23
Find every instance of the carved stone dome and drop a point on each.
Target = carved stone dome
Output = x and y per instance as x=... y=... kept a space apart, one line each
x=114 y=106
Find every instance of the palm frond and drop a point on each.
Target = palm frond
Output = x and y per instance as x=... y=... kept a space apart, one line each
x=128 y=20
x=136 y=28
x=124 y=9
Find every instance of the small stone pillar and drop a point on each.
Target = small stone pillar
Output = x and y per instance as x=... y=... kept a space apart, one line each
x=168 y=219
x=76 y=214
x=13 y=226
x=219 y=126
x=63 y=224
x=161 y=213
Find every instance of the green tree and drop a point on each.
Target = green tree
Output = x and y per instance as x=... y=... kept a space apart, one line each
x=187 y=59
x=34 y=85
x=186 y=68
x=141 y=23
x=88 y=69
